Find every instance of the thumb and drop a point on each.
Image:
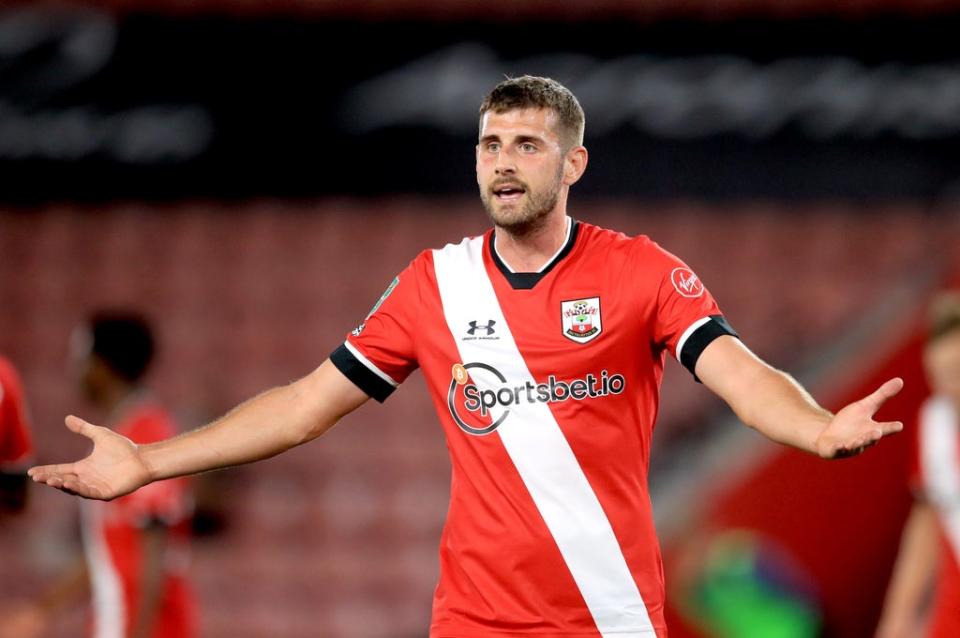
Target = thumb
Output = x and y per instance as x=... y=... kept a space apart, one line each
x=78 y=425
x=884 y=392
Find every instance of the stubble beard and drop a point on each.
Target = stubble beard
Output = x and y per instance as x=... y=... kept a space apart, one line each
x=530 y=216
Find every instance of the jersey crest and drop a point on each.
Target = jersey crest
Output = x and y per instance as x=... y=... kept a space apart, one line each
x=580 y=319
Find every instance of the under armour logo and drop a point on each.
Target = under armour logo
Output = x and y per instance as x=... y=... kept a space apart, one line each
x=489 y=327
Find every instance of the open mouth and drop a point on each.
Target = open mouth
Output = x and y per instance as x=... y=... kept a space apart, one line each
x=508 y=192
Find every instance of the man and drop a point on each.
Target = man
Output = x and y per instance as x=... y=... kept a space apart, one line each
x=931 y=538
x=135 y=545
x=15 y=445
x=542 y=343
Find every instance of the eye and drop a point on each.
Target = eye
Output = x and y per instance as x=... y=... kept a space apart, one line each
x=493 y=147
x=528 y=147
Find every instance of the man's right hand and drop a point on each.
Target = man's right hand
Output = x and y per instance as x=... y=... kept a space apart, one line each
x=114 y=468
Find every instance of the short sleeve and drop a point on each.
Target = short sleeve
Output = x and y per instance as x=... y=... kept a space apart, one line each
x=381 y=352
x=15 y=444
x=686 y=318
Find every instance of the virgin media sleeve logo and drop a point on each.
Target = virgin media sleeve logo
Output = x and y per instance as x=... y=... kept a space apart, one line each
x=686 y=282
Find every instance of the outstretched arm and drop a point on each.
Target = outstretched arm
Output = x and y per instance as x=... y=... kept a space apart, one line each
x=264 y=426
x=774 y=404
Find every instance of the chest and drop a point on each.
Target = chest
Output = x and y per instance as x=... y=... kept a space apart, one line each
x=581 y=327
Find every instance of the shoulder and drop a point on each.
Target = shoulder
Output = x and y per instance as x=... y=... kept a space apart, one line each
x=8 y=374
x=468 y=244
x=9 y=381
x=418 y=278
x=453 y=256
x=648 y=250
x=427 y=257
x=599 y=238
x=611 y=245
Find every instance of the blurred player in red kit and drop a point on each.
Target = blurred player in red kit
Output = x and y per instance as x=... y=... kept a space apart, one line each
x=16 y=450
x=542 y=343
x=135 y=546
x=930 y=545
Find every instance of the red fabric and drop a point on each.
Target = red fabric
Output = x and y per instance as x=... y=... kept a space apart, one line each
x=945 y=612
x=502 y=573
x=120 y=526
x=15 y=443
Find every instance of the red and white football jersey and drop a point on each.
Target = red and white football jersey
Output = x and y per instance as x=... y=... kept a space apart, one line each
x=546 y=385
x=15 y=444
x=113 y=535
x=937 y=478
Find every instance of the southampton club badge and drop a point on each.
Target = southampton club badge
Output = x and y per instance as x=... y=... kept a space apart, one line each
x=580 y=319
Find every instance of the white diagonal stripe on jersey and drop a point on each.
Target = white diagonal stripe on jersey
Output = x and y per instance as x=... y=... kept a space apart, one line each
x=108 y=601
x=541 y=453
x=940 y=450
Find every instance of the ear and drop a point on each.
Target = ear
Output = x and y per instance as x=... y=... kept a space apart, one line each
x=574 y=165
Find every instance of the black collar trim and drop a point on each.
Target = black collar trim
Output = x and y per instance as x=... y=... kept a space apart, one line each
x=527 y=280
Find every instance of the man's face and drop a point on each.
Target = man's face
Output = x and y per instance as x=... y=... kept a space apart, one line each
x=942 y=361
x=520 y=166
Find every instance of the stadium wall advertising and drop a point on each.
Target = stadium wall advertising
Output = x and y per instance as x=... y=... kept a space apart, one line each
x=95 y=106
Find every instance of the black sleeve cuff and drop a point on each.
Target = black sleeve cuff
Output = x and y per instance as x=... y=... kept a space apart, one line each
x=361 y=376
x=701 y=338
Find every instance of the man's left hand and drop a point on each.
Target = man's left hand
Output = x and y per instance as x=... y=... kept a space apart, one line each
x=852 y=430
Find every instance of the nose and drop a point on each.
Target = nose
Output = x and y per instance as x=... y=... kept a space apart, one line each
x=505 y=164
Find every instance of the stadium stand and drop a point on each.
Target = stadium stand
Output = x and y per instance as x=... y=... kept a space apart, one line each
x=247 y=296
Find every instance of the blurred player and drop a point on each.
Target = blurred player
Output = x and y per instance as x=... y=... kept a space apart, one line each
x=15 y=445
x=542 y=343
x=930 y=546
x=134 y=546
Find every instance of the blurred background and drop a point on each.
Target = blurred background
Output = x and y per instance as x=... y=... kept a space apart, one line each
x=252 y=174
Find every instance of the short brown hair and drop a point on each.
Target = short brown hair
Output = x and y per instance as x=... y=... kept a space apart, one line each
x=944 y=315
x=532 y=92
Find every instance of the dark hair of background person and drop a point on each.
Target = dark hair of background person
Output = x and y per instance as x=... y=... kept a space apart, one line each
x=123 y=341
x=944 y=315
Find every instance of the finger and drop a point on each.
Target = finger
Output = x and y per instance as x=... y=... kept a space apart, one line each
x=853 y=449
x=57 y=480
x=891 y=427
x=63 y=482
x=40 y=473
x=884 y=392
x=869 y=437
x=872 y=437
x=78 y=425
x=73 y=485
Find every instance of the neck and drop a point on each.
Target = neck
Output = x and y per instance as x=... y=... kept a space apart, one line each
x=531 y=250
